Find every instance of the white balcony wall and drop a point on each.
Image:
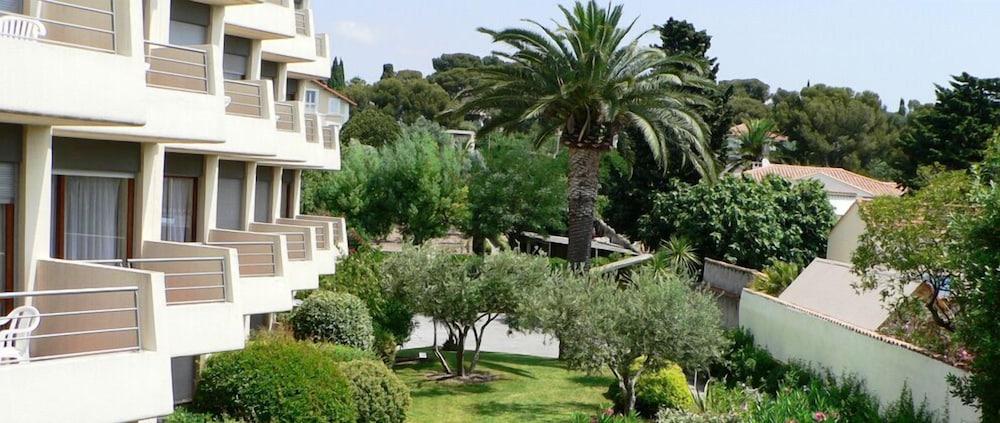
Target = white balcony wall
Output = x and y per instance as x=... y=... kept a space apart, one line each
x=302 y=272
x=268 y=292
x=318 y=67
x=262 y=21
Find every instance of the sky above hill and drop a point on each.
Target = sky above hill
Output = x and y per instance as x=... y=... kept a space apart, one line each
x=896 y=48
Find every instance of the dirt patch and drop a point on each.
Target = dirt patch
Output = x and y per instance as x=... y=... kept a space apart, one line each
x=471 y=379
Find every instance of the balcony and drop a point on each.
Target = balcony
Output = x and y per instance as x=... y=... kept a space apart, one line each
x=263 y=260
x=71 y=41
x=287 y=114
x=326 y=253
x=203 y=313
x=315 y=48
x=338 y=231
x=273 y=19
x=99 y=340
x=312 y=127
x=301 y=272
x=177 y=68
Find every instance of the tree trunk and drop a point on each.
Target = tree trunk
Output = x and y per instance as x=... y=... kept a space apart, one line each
x=584 y=165
x=460 y=353
x=629 y=396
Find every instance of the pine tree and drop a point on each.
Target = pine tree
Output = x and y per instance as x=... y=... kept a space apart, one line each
x=337 y=80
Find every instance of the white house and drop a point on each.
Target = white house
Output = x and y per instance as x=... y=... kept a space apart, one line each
x=842 y=186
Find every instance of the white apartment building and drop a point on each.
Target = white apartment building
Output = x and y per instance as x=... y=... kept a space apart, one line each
x=151 y=154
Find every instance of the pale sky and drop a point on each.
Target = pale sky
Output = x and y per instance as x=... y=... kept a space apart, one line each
x=897 y=48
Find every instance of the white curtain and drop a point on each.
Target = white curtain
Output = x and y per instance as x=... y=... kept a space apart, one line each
x=95 y=218
x=177 y=222
x=230 y=205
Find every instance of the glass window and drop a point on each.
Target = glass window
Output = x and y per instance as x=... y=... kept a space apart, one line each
x=13 y=6
x=230 y=205
x=189 y=22
x=236 y=57
x=287 y=185
x=178 y=220
x=291 y=89
x=311 y=100
x=95 y=217
x=262 y=195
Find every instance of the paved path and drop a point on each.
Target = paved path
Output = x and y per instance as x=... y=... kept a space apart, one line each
x=496 y=340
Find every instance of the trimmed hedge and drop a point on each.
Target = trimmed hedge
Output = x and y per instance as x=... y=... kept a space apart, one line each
x=379 y=395
x=343 y=353
x=333 y=317
x=657 y=390
x=276 y=381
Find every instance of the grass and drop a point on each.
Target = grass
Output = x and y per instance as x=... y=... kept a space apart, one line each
x=527 y=389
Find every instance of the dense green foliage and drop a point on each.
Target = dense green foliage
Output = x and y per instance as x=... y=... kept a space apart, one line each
x=745 y=222
x=776 y=277
x=515 y=188
x=658 y=389
x=978 y=292
x=272 y=380
x=380 y=396
x=910 y=236
x=452 y=71
x=183 y=415
x=333 y=317
x=343 y=193
x=465 y=294
x=371 y=127
x=337 y=80
x=419 y=185
x=953 y=132
x=343 y=353
x=602 y=325
x=360 y=274
x=833 y=126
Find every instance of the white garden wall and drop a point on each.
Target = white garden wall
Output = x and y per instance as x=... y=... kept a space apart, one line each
x=885 y=364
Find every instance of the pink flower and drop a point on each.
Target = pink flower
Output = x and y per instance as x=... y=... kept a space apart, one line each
x=819 y=416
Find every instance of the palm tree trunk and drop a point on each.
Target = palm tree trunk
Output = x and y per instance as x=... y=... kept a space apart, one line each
x=584 y=165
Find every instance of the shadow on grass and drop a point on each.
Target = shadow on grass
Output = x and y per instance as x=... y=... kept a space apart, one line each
x=529 y=412
x=493 y=365
x=491 y=360
x=592 y=381
x=430 y=389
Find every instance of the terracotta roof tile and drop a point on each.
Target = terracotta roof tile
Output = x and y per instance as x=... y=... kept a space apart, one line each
x=323 y=85
x=794 y=172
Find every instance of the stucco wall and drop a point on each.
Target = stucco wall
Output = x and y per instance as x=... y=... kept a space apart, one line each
x=886 y=365
x=728 y=281
x=844 y=236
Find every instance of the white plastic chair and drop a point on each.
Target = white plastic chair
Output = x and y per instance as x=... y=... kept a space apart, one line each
x=13 y=341
x=21 y=27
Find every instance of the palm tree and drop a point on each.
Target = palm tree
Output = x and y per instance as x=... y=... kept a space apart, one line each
x=751 y=143
x=584 y=83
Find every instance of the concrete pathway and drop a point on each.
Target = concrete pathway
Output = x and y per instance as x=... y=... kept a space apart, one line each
x=497 y=339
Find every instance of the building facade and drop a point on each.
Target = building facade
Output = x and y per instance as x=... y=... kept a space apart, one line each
x=151 y=156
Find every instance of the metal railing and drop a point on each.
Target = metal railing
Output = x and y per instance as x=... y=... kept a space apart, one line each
x=301 y=22
x=88 y=24
x=322 y=236
x=285 y=111
x=245 y=99
x=257 y=258
x=67 y=328
x=311 y=128
x=176 y=67
x=198 y=280
x=321 y=46
x=296 y=244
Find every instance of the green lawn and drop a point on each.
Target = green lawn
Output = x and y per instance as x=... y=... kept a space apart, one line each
x=528 y=389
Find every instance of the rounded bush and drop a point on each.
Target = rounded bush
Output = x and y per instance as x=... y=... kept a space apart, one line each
x=343 y=353
x=378 y=393
x=276 y=381
x=656 y=390
x=333 y=317
x=385 y=346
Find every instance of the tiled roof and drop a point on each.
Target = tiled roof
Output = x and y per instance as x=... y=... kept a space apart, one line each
x=794 y=172
x=323 y=85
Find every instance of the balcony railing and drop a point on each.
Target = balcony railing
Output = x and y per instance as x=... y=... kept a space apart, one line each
x=89 y=24
x=321 y=46
x=321 y=228
x=286 y=111
x=301 y=22
x=257 y=258
x=296 y=245
x=311 y=128
x=188 y=280
x=245 y=99
x=77 y=322
x=176 y=67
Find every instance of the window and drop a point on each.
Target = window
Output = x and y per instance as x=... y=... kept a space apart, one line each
x=236 y=57
x=180 y=199
x=189 y=22
x=291 y=89
x=93 y=217
x=287 y=186
x=8 y=189
x=13 y=6
x=230 y=204
x=262 y=195
x=269 y=71
x=312 y=97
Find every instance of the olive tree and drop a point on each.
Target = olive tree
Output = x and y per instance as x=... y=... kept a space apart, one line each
x=655 y=319
x=465 y=293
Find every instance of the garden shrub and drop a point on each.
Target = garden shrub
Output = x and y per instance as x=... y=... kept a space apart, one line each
x=333 y=317
x=678 y=416
x=657 y=390
x=776 y=277
x=905 y=411
x=385 y=346
x=380 y=396
x=821 y=399
x=183 y=415
x=372 y=127
x=275 y=381
x=343 y=353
